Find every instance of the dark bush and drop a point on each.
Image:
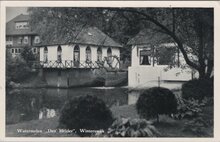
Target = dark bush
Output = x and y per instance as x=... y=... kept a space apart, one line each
x=197 y=89
x=155 y=101
x=86 y=112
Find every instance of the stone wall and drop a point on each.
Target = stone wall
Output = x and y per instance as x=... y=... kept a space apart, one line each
x=71 y=77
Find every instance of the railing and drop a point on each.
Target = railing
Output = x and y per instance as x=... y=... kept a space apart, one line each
x=112 y=64
x=65 y=64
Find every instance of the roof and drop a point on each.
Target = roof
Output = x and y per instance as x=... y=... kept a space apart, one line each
x=10 y=26
x=88 y=36
x=148 y=36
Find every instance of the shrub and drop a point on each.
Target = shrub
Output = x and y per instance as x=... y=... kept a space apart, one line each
x=190 y=108
x=16 y=69
x=198 y=126
x=86 y=112
x=124 y=127
x=197 y=89
x=155 y=101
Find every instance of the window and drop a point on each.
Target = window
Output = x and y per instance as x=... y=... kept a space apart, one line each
x=37 y=39
x=166 y=56
x=99 y=54
x=12 y=50
x=145 y=56
x=34 y=50
x=16 y=50
x=109 y=55
x=76 y=56
x=26 y=40
x=88 y=53
x=19 y=50
x=21 y=25
x=20 y=40
x=9 y=41
x=8 y=38
x=59 y=52
x=45 y=54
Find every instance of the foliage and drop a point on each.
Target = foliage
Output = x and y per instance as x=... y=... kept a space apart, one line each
x=27 y=54
x=166 y=56
x=190 y=28
x=198 y=89
x=198 y=113
x=198 y=126
x=155 y=101
x=190 y=108
x=125 y=127
x=16 y=69
x=85 y=112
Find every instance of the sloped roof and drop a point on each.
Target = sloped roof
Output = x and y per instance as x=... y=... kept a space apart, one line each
x=148 y=36
x=10 y=26
x=88 y=35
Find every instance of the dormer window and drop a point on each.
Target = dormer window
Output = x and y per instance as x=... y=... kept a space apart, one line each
x=36 y=39
x=20 y=40
x=22 y=25
x=26 y=40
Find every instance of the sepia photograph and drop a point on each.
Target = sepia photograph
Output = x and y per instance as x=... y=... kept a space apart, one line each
x=104 y=72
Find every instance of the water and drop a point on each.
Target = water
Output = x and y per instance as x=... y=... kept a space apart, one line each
x=31 y=104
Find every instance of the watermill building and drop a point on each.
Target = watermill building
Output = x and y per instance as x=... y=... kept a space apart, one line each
x=76 y=62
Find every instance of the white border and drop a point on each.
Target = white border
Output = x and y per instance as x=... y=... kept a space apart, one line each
x=214 y=4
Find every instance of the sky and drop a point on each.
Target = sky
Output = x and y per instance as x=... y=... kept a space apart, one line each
x=12 y=12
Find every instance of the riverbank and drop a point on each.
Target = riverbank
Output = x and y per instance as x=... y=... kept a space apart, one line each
x=167 y=126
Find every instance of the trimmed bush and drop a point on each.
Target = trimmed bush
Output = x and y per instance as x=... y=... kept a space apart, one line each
x=86 y=112
x=155 y=101
x=197 y=89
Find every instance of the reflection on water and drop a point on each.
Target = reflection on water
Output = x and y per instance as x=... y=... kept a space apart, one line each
x=47 y=113
x=133 y=97
x=31 y=104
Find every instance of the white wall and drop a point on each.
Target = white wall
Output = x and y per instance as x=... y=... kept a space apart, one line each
x=147 y=75
x=67 y=52
x=134 y=56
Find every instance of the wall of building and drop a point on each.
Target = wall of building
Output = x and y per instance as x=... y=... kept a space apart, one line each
x=14 y=40
x=142 y=76
x=68 y=50
x=135 y=57
x=71 y=77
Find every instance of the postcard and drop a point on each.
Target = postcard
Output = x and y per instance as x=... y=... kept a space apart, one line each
x=109 y=70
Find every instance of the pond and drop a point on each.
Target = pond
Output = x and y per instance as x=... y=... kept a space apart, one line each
x=32 y=104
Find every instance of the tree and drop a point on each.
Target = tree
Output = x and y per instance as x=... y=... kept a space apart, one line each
x=190 y=28
x=27 y=54
x=17 y=69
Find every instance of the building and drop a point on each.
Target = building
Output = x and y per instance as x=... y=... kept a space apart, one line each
x=156 y=61
x=20 y=35
x=90 y=47
x=77 y=61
